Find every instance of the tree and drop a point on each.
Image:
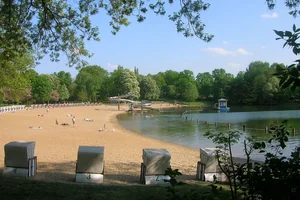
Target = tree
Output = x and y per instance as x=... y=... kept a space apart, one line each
x=41 y=88
x=160 y=82
x=90 y=80
x=129 y=83
x=149 y=89
x=82 y=96
x=222 y=81
x=240 y=90
x=12 y=76
x=72 y=91
x=204 y=83
x=64 y=78
x=55 y=82
x=289 y=75
x=30 y=75
x=256 y=77
x=62 y=26
x=171 y=78
x=184 y=78
x=54 y=95
x=63 y=92
x=190 y=93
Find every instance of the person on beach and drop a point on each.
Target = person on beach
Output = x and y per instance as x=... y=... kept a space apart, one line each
x=56 y=122
x=73 y=120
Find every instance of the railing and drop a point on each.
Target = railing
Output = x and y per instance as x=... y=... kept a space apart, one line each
x=15 y=108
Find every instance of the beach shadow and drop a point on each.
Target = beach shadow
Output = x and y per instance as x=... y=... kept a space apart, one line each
x=62 y=172
x=114 y=173
x=127 y=173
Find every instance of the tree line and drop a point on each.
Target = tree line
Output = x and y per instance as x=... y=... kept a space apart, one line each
x=20 y=83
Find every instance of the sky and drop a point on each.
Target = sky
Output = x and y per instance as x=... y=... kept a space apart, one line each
x=243 y=33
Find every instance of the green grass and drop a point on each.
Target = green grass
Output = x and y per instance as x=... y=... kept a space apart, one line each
x=14 y=188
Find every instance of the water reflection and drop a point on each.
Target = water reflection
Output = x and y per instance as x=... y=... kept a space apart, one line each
x=172 y=127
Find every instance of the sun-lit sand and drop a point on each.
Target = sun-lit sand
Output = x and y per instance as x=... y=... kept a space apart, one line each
x=57 y=145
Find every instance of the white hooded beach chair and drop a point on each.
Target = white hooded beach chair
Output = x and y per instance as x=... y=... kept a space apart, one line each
x=90 y=164
x=155 y=162
x=208 y=166
x=19 y=159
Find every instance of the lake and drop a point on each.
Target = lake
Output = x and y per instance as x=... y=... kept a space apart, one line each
x=170 y=126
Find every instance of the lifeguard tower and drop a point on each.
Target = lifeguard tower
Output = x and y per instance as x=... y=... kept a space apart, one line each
x=222 y=105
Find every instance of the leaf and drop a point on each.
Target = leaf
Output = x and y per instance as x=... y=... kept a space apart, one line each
x=294 y=28
x=293 y=87
x=295 y=51
x=287 y=83
x=279 y=33
x=282 y=80
x=290 y=66
x=288 y=33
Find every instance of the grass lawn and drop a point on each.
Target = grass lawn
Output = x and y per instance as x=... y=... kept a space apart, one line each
x=21 y=188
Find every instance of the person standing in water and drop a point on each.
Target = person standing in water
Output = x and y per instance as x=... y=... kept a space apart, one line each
x=73 y=120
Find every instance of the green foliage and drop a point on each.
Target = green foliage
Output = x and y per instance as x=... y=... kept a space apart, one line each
x=174 y=191
x=221 y=84
x=224 y=142
x=89 y=80
x=257 y=85
x=13 y=79
x=54 y=95
x=41 y=88
x=82 y=96
x=149 y=89
x=129 y=84
x=63 y=93
x=160 y=82
x=289 y=75
x=185 y=80
x=204 y=83
x=190 y=93
x=276 y=178
x=64 y=78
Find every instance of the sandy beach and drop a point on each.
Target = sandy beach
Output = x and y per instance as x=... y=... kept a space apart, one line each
x=57 y=145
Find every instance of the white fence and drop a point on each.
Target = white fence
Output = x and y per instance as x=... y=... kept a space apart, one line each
x=62 y=105
x=36 y=106
x=11 y=108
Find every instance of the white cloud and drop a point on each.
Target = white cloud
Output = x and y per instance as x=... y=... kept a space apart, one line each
x=111 y=66
x=224 y=52
x=263 y=47
x=219 y=51
x=225 y=42
x=242 y=52
x=268 y=16
x=234 y=65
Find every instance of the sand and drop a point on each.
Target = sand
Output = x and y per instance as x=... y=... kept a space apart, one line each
x=57 y=145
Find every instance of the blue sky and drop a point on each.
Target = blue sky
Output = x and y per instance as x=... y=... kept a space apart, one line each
x=243 y=33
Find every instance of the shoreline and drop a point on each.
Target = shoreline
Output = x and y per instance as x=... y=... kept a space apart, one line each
x=57 y=146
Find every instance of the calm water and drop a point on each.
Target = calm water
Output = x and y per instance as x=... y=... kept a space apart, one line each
x=170 y=126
